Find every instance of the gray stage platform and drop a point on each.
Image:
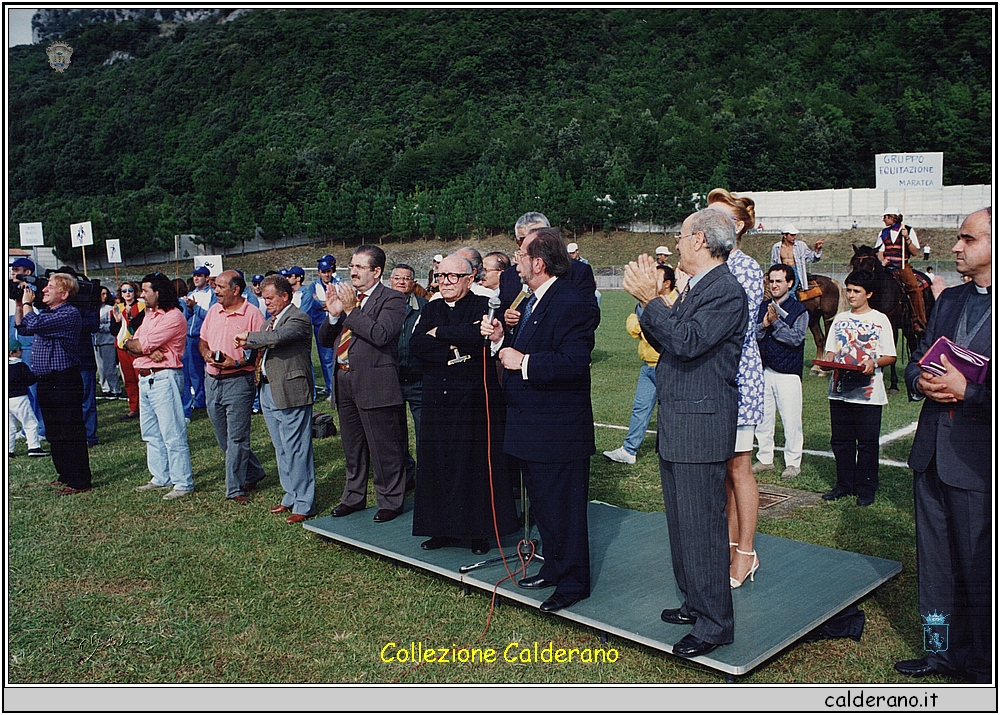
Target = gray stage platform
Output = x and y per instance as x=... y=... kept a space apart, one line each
x=799 y=585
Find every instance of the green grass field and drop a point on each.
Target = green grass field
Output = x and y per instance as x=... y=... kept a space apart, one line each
x=115 y=586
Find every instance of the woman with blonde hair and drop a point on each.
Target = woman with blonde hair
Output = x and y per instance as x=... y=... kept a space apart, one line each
x=127 y=309
x=742 y=496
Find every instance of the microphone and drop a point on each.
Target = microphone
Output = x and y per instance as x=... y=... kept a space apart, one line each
x=494 y=304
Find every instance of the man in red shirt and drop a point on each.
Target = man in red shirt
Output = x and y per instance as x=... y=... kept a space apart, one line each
x=158 y=347
x=229 y=388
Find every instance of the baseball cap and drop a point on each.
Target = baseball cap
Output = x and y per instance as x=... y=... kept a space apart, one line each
x=664 y=250
x=24 y=263
x=257 y=278
x=572 y=247
x=201 y=271
x=297 y=271
x=325 y=266
x=329 y=259
x=790 y=228
x=283 y=272
x=438 y=258
x=13 y=345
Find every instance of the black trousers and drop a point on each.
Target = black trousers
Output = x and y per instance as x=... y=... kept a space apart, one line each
x=854 y=431
x=559 y=492
x=954 y=570
x=60 y=395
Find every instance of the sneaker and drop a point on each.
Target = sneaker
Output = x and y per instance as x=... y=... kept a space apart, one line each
x=177 y=494
x=36 y=452
x=149 y=486
x=791 y=473
x=620 y=455
x=759 y=467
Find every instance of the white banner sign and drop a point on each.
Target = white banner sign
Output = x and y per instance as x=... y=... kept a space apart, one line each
x=212 y=263
x=81 y=234
x=909 y=171
x=114 y=250
x=31 y=234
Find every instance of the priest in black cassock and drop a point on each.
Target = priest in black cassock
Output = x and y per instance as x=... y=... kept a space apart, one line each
x=452 y=502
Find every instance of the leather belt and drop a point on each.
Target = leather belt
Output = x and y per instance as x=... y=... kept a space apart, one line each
x=227 y=375
x=146 y=372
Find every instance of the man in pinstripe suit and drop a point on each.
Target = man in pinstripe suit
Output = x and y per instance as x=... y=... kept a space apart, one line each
x=699 y=339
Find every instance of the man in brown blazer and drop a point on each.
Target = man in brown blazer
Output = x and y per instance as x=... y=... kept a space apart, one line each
x=286 y=394
x=363 y=327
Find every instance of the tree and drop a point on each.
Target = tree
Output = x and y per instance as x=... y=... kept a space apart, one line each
x=270 y=223
x=242 y=222
x=290 y=221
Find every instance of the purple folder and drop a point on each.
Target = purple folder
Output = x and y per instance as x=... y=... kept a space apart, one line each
x=971 y=364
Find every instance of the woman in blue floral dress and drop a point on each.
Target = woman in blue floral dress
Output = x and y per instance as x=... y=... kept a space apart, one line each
x=742 y=496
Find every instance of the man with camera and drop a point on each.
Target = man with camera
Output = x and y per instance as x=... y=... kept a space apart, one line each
x=60 y=387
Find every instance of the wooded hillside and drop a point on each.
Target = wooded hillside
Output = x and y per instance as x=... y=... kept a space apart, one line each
x=365 y=123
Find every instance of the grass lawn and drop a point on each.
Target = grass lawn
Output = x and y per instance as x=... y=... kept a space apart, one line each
x=115 y=586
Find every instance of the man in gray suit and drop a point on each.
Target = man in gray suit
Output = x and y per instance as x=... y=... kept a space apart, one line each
x=699 y=339
x=952 y=474
x=286 y=394
x=363 y=327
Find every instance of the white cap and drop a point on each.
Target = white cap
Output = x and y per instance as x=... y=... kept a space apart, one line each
x=892 y=211
x=790 y=228
x=572 y=247
x=664 y=250
x=438 y=258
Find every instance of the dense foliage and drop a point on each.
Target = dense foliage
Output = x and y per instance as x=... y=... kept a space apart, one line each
x=364 y=123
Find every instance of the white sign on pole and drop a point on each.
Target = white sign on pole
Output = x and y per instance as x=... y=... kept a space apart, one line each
x=31 y=234
x=114 y=250
x=81 y=234
x=212 y=263
x=909 y=171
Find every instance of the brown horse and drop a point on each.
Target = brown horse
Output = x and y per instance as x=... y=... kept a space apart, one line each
x=890 y=298
x=822 y=311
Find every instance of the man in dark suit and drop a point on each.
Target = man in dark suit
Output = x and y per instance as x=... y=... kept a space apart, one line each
x=286 y=394
x=550 y=423
x=700 y=339
x=952 y=478
x=580 y=274
x=363 y=327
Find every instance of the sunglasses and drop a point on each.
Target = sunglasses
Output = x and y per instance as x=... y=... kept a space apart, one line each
x=128 y=290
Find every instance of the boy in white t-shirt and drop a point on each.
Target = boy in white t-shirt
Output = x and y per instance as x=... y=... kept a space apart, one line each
x=861 y=336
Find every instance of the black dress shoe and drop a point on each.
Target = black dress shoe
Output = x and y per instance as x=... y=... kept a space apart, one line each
x=437 y=542
x=536 y=582
x=919 y=668
x=836 y=493
x=691 y=647
x=556 y=602
x=386 y=515
x=480 y=546
x=344 y=510
x=674 y=615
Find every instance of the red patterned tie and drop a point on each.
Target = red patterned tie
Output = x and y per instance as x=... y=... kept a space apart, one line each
x=345 y=340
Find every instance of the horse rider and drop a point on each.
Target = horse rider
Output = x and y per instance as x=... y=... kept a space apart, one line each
x=896 y=243
x=796 y=254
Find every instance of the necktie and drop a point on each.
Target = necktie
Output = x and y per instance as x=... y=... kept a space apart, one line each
x=345 y=339
x=528 y=307
x=258 y=368
x=687 y=289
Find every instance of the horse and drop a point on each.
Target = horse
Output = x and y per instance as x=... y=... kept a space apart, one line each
x=889 y=297
x=822 y=311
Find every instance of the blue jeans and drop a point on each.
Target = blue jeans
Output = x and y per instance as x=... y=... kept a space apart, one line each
x=161 y=421
x=194 y=371
x=325 y=361
x=642 y=408
x=89 y=376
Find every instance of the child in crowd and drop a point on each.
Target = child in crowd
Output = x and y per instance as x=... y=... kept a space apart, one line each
x=861 y=336
x=20 y=413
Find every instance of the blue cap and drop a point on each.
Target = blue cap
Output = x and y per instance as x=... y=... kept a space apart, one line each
x=297 y=271
x=257 y=278
x=200 y=271
x=326 y=266
x=329 y=257
x=283 y=272
x=13 y=345
x=24 y=263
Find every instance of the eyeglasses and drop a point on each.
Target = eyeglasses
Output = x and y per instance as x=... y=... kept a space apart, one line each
x=449 y=277
x=128 y=290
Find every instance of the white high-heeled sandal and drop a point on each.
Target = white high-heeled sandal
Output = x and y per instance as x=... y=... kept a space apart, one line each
x=733 y=583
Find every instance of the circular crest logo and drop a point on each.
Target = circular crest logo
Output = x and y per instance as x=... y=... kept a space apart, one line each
x=59 y=54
